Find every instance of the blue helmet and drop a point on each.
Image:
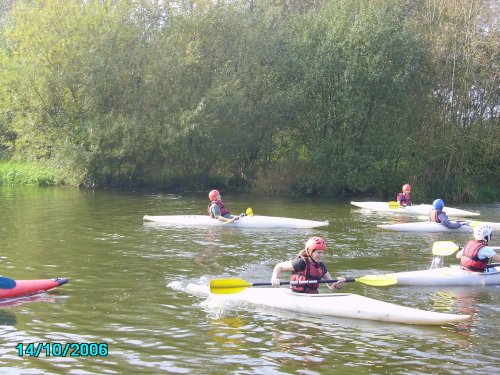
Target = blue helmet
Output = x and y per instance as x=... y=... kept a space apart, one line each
x=438 y=204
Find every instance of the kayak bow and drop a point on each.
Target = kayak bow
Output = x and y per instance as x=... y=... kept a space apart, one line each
x=28 y=287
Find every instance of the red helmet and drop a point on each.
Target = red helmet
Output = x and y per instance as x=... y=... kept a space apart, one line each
x=406 y=187
x=213 y=195
x=315 y=243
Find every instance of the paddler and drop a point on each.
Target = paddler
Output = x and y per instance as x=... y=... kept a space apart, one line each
x=307 y=265
x=437 y=215
x=476 y=254
x=218 y=210
x=404 y=198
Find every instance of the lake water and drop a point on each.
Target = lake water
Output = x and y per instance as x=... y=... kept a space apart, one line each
x=128 y=283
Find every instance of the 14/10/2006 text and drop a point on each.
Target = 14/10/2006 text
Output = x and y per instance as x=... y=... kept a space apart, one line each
x=56 y=349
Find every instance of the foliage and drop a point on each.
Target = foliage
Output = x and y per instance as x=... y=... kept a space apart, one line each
x=15 y=173
x=311 y=98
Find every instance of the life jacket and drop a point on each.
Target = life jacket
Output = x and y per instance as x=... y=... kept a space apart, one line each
x=404 y=199
x=222 y=206
x=434 y=215
x=470 y=261
x=313 y=271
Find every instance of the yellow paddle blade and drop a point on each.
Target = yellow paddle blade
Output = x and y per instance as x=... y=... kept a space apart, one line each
x=249 y=211
x=393 y=204
x=228 y=286
x=377 y=280
x=444 y=248
x=474 y=224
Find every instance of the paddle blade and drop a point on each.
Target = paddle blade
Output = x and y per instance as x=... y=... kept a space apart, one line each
x=393 y=204
x=474 y=224
x=249 y=211
x=228 y=286
x=444 y=248
x=378 y=280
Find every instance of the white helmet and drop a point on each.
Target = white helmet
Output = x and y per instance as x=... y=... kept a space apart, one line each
x=483 y=232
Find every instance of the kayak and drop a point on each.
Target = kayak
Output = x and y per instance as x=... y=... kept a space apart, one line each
x=17 y=288
x=344 y=305
x=452 y=275
x=244 y=222
x=430 y=226
x=418 y=209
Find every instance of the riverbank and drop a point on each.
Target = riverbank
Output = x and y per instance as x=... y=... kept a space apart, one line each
x=27 y=174
x=34 y=174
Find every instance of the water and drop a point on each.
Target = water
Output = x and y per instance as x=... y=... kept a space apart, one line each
x=128 y=279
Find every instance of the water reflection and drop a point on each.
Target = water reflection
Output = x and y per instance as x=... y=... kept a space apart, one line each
x=7 y=318
x=293 y=339
x=40 y=297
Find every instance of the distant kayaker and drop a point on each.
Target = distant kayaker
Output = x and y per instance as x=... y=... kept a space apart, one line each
x=404 y=198
x=218 y=210
x=307 y=265
x=437 y=215
x=476 y=254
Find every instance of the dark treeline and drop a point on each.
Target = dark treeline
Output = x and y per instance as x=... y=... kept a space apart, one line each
x=300 y=97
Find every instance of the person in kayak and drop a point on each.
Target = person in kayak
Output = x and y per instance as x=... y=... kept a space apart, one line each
x=437 y=215
x=218 y=210
x=404 y=198
x=476 y=254
x=307 y=265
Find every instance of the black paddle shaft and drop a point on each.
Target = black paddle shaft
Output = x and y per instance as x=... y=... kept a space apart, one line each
x=304 y=282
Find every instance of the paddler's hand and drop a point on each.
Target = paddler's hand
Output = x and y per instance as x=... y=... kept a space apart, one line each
x=275 y=282
x=340 y=283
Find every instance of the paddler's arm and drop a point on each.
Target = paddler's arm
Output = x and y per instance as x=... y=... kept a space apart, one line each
x=226 y=220
x=339 y=284
x=495 y=258
x=447 y=223
x=215 y=210
x=283 y=266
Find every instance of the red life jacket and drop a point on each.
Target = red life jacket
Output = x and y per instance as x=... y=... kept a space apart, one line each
x=434 y=216
x=404 y=199
x=313 y=271
x=469 y=260
x=222 y=206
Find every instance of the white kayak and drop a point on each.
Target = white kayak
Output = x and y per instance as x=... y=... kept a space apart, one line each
x=452 y=275
x=416 y=209
x=344 y=305
x=245 y=222
x=430 y=226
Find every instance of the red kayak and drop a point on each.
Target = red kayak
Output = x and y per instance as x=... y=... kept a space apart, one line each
x=10 y=288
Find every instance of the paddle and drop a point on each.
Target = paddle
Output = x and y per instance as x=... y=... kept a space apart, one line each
x=249 y=212
x=445 y=248
x=394 y=205
x=231 y=220
x=471 y=223
x=6 y=283
x=231 y=286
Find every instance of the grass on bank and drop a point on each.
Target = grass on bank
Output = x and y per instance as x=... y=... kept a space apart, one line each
x=29 y=174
